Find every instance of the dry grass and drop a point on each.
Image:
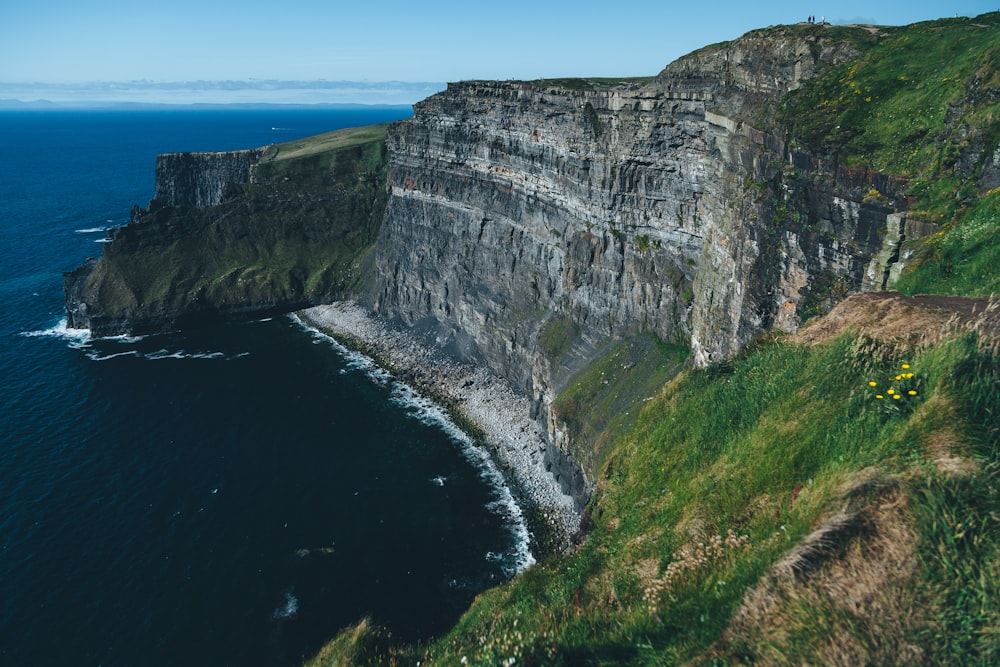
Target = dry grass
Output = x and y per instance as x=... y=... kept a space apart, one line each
x=854 y=576
x=915 y=320
x=339 y=653
x=944 y=444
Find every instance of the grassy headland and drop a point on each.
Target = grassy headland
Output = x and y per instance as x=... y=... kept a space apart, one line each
x=256 y=248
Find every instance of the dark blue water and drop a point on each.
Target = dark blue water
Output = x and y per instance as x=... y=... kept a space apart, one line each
x=229 y=496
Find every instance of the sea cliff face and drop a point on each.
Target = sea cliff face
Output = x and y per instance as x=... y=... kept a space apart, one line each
x=522 y=212
x=200 y=180
x=530 y=225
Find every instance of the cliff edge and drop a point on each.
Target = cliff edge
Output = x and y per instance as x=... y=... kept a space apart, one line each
x=238 y=234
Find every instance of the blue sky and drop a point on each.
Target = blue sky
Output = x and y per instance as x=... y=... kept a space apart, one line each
x=70 y=42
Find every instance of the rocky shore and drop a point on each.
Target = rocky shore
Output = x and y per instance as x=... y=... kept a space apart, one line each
x=516 y=442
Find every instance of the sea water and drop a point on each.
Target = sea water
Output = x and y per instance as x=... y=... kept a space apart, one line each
x=233 y=495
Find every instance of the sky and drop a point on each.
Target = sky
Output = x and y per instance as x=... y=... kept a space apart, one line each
x=72 y=43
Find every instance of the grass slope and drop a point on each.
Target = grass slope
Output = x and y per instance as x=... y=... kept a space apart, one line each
x=923 y=103
x=705 y=503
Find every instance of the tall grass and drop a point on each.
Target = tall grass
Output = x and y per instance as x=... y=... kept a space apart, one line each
x=785 y=506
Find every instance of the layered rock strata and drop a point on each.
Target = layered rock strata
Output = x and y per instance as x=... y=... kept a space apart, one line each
x=522 y=212
x=530 y=225
x=199 y=180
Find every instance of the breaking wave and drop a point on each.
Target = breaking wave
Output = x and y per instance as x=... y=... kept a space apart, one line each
x=77 y=338
x=163 y=353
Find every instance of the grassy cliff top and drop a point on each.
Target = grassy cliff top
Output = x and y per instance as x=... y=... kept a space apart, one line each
x=323 y=143
x=781 y=508
x=592 y=84
x=916 y=104
x=280 y=242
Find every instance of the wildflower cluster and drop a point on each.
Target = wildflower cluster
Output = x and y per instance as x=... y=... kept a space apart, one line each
x=690 y=560
x=507 y=644
x=898 y=392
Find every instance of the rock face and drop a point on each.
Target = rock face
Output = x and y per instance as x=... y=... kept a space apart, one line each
x=528 y=226
x=520 y=209
x=199 y=180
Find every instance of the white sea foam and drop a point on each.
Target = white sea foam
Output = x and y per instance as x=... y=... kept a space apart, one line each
x=163 y=353
x=288 y=609
x=428 y=412
x=97 y=356
x=354 y=361
x=181 y=354
x=77 y=338
x=125 y=338
x=92 y=230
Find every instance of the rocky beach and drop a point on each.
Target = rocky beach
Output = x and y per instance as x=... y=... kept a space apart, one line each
x=516 y=442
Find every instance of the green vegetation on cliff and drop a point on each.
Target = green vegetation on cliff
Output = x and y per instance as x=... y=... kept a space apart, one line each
x=922 y=104
x=827 y=497
x=299 y=233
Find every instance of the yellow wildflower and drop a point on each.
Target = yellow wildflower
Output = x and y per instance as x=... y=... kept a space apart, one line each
x=879 y=396
x=891 y=392
x=873 y=383
x=896 y=396
x=912 y=393
x=905 y=366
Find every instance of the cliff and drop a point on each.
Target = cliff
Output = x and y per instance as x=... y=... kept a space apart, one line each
x=199 y=180
x=823 y=497
x=531 y=224
x=235 y=234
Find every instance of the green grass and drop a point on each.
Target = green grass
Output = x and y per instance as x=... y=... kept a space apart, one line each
x=705 y=480
x=960 y=557
x=887 y=109
x=921 y=103
x=756 y=452
x=557 y=336
x=325 y=143
x=603 y=400
x=962 y=258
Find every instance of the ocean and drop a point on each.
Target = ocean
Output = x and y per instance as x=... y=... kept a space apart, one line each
x=226 y=496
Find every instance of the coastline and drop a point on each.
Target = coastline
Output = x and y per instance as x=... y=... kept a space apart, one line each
x=482 y=402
